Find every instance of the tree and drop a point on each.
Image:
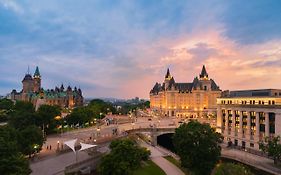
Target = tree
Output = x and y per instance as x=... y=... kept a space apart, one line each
x=272 y=147
x=80 y=115
x=231 y=169
x=46 y=116
x=98 y=106
x=6 y=104
x=30 y=140
x=6 y=107
x=11 y=160
x=22 y=115
x=198 y=146
x=125 y=156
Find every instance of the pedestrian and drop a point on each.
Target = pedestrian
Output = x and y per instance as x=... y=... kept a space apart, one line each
x=50 y=147
x=47 y=147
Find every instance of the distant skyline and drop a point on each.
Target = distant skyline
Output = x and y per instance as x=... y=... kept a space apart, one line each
x=119 y=49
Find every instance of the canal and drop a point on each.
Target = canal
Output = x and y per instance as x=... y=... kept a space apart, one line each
x=165 y=141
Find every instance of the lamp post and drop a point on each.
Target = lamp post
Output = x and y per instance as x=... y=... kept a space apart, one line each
x=98 y=132
x=58 y=145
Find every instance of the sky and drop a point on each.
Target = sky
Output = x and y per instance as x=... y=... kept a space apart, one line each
x=121 y=48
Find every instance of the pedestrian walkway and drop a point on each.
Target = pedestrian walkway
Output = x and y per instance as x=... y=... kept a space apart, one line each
x=157 y=157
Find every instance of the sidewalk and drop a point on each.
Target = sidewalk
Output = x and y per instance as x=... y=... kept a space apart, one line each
x=157 y=157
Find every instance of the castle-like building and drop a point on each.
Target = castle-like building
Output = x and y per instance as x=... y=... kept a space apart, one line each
x=190 y=100
x=33 y=92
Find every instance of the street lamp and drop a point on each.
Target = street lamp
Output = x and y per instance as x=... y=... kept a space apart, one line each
x=133 y=124
x=58 y=145
x=98 y=131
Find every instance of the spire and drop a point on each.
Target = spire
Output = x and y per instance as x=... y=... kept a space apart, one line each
x=168 y=75
x=204 y=74
x=28 y=72
x=37 y=73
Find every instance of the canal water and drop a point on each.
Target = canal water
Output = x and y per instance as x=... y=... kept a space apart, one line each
x=165 y=141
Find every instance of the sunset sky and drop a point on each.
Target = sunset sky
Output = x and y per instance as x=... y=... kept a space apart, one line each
x=114 y=48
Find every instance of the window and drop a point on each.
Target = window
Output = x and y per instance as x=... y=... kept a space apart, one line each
x=205 y=88
x=252 y=145
x=273 y=102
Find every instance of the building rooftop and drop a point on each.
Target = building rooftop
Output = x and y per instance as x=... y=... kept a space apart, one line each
x=252 y=93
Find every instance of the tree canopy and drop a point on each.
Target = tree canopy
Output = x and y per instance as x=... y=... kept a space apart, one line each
x=272 y=147
x=125 y=156
x=198 y=146
x=11 y=159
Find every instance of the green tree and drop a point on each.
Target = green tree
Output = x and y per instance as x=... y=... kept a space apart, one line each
x=80 y=115
x=46 y=117
x=22 y=115
x=231 y=169
x=98 y=107
x=30 y=140
x=6 y=104
x=272 y=147
x=125 y=156
x=11 y=160
x=198 y=147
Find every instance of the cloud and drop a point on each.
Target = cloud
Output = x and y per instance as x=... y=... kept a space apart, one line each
x=120 y=48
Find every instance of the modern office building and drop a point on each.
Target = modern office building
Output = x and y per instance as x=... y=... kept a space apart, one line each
x=192 y=100
x=246 y=117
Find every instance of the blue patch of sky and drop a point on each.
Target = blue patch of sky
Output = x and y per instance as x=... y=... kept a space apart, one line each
x=250 y=22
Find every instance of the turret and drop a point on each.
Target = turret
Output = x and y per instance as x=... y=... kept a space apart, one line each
x=37 y=80
x=168 y=79
x=204 y=74
x=61 y=88
x=27 y=83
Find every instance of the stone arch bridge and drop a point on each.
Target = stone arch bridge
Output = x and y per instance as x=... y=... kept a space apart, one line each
x=154 y=132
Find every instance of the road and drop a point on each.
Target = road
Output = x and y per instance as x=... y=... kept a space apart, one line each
x=92 y=133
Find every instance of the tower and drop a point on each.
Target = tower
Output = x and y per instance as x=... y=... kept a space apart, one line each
x=168 y=78
x=27 y=83
x=204 y=79
x=204 y=74
x=37 y=80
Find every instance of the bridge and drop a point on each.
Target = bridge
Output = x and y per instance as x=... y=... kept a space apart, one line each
x=154 y=132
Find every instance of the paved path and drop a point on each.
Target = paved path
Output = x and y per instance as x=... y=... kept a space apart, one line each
x=157 y=157
x=56 y=164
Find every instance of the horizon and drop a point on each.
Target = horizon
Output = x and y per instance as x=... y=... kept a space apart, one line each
x=120 y=49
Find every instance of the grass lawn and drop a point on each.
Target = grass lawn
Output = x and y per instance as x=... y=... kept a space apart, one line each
x=149 y=168
x=177 y=163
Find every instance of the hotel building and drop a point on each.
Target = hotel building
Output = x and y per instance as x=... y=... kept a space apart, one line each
x=190 y=100
x=246 y=117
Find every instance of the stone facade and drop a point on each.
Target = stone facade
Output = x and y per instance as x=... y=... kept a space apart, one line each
x=246 y=117
x=190 y=100
x=32 y=92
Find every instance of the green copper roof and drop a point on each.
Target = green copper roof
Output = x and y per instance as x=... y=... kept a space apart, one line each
x=37 y=73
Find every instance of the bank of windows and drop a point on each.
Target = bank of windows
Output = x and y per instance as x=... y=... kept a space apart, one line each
x=244 y=123
x=236 y=119
x=262 y=123
x=253 y=124
x=271 y=123
x=229 y=120
x=251 y=102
